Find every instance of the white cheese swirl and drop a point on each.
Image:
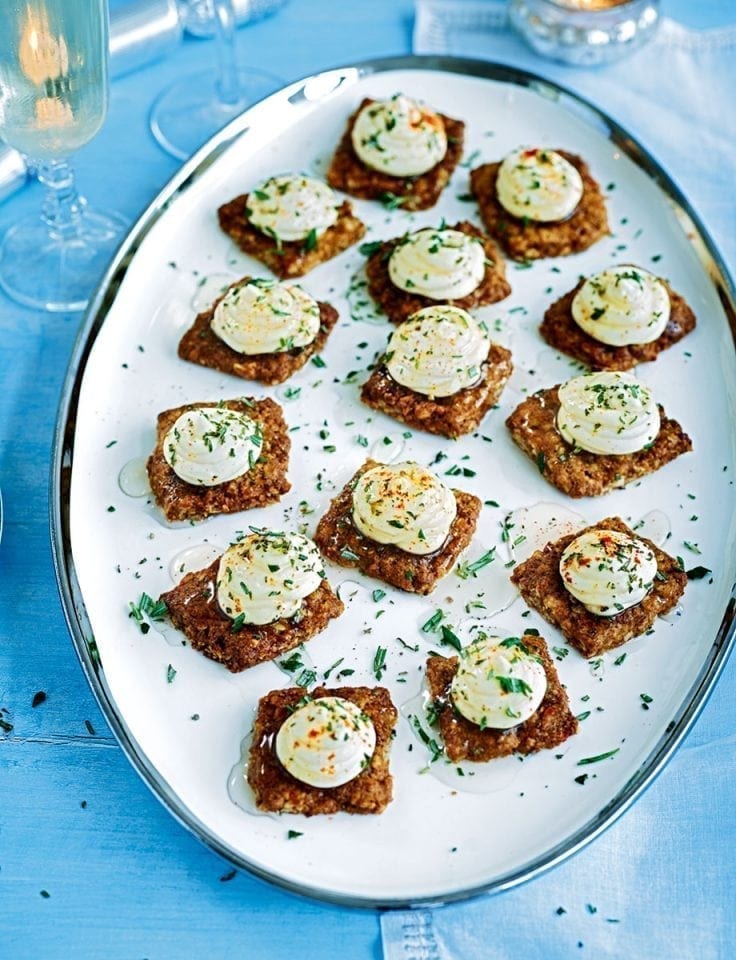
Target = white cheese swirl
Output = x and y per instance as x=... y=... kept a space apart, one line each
x=498 y=683
x=211 y=445
x=442 y=264
x=326 y=742
x=265 y=576
x=622 y=306
x=263 y=316
x=437 y=351
x=538 y=184
x=292 y=207
x=608 y=571
x=405 y=505
x=607 y=413
x=399 y=136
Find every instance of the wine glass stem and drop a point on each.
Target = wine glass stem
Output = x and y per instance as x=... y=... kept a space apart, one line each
x=227 y=84
x=62 y=208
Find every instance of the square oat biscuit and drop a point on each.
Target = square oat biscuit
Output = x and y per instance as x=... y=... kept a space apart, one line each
x=578 y=473
x=451 y=416
x=398 y=304
x=348 y=173
x=265 y=482
x=288 y=259
x=201 y=345
x=549 y=726
x=193 y=609
x=276 y=790
x=541 y=586
x=530 y=240
x=561 y=332
x=340 y=541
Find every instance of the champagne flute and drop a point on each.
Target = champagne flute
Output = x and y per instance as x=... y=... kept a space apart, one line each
x=53 y=100
x=186 y=114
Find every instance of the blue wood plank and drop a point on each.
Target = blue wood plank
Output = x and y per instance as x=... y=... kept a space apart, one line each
x=124 y=880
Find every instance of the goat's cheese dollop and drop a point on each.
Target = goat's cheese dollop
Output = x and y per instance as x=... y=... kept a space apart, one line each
x=441 y=264
x=263 y=316
x=607 y=413
x=608 y=571
x=437 y=351
x=405 y=505
x=499 y=683
x=538 y=184
x=211 y=445
x=326 y=742
x=290 y=208
x=399 y=136
x=622 y=306
x=266 y=576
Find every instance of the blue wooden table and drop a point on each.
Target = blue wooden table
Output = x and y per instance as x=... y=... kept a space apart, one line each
x=90 y=864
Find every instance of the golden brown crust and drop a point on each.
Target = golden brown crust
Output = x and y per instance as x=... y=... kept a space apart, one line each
x=549 y=726
x=529 y=240
x=275 y=789
x=533 y=426
x=560 y=331
x=193 y=609
x=450 y=416
x=289 y=258
x=264 y=483
x=398 y=305
x=348 y=172
x=340 y=541
x=541 y=586
x=201 y=345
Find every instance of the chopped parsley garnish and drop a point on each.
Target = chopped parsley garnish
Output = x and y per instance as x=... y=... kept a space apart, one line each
x=292 y=663
x=379 y=662
x=514 y=685
x=599 y=757
x=329 y=670
x=429 y=626
x=391 y=201
x=147 y=609
x=434 y=748
x=466 y=570
x=450 y=638
x=514 y=642
x=306 y=678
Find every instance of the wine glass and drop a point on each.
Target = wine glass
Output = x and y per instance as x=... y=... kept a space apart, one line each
x=187 y=113
x=53 y=100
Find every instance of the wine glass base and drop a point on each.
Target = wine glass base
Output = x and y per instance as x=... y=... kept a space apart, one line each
x=48 y=272
x=187 y=113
